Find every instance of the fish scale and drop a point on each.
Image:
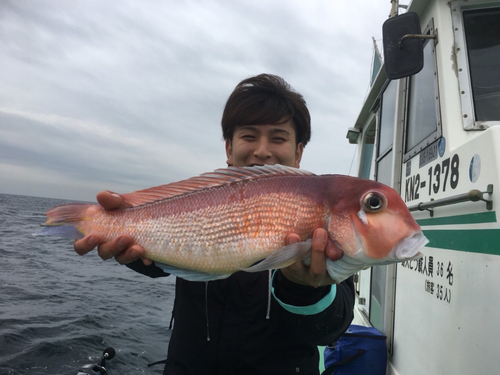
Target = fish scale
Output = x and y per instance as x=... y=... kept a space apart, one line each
x=240 y=235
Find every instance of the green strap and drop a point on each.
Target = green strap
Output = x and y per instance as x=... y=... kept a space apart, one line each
x=318 y=307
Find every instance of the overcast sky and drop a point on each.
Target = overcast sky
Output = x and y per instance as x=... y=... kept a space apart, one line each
x=124 y=95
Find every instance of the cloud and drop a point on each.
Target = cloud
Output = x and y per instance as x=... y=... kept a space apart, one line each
x=126 y=95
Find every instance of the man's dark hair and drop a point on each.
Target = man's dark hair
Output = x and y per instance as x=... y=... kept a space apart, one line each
x=266 y=99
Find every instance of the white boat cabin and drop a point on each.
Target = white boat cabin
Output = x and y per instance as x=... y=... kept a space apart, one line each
x=432 y=132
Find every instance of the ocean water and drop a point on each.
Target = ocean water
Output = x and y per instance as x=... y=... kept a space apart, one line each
x=59 y=311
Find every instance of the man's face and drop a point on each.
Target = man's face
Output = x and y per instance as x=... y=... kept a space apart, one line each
x=264 y=144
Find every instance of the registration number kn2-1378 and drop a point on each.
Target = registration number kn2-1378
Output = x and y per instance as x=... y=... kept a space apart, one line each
x=439 y=177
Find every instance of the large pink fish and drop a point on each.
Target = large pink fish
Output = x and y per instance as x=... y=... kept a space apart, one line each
x=215 y=224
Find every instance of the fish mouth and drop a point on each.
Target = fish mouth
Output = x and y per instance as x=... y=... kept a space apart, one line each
x=409 y=247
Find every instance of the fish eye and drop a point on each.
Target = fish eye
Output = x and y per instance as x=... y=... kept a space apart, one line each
x=374 y=201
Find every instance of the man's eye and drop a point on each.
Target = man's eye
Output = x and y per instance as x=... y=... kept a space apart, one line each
x=279 y=139
x=248 y=137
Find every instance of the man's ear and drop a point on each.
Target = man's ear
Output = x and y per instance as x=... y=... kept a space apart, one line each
x=298 y=154
x=229 y=152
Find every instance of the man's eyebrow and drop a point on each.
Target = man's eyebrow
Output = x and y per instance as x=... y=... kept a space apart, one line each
x=279 y=130
x=246 y=127
x=256 y=127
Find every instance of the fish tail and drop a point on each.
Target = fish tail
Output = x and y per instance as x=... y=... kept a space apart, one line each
x=65 y=220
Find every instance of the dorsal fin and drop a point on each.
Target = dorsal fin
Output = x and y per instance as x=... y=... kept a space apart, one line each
x=219 y=177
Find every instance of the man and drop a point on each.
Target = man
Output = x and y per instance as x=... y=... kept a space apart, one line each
x=251 y=323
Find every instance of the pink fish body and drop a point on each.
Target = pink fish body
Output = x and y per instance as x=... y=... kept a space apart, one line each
x=234 y=219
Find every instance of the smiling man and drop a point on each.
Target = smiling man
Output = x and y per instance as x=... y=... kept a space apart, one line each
x=251 y=323
x=264 y=144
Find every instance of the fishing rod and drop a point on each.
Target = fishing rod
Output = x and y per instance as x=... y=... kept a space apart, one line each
x=94 y=368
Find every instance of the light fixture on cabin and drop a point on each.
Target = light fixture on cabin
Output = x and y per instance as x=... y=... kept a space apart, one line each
x=353 y=135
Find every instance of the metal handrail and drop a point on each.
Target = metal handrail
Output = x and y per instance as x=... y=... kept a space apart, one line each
x=472 y=196
x=416 y=36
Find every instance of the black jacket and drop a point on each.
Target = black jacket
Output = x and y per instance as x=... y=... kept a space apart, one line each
x=221 y=327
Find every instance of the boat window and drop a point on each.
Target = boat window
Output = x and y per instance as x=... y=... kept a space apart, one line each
x=367 y=152
x=482 y=35
x=366 y=161
x=387 y=115
x=379 y=273
x=378 y=297
x=384 y=173
x=384 y=169
x=422 y=117
x=477 y=52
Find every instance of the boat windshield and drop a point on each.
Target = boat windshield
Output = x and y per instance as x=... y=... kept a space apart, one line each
x=482 y=33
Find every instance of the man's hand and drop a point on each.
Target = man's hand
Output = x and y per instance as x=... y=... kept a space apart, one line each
x=122 y=247
x=315 y=274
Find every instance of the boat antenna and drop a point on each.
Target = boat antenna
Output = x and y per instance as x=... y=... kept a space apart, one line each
x=395 y=8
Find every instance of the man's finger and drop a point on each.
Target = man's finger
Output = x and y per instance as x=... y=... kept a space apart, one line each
x=333 y=252
x=110 y=201
x=318 y=258
x=131 y=254
x=110 y=249
x=86 y=244
x=292 y=238
x=317 y=268
x=147 y=262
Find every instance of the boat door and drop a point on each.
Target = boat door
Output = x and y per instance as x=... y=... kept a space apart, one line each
x=395 y=133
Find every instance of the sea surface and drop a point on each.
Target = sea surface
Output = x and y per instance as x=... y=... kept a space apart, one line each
x=59 y=310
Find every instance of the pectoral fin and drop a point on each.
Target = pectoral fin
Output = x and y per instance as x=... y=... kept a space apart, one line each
x=283 y=257
x=191 y=275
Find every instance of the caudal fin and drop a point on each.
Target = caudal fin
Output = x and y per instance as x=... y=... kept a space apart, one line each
x=64 y=220
x=67 y=231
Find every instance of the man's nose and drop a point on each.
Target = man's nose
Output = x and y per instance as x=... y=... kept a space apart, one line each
x=262 y=149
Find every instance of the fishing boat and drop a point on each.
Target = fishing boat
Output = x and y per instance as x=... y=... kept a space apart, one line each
x=430 y=128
